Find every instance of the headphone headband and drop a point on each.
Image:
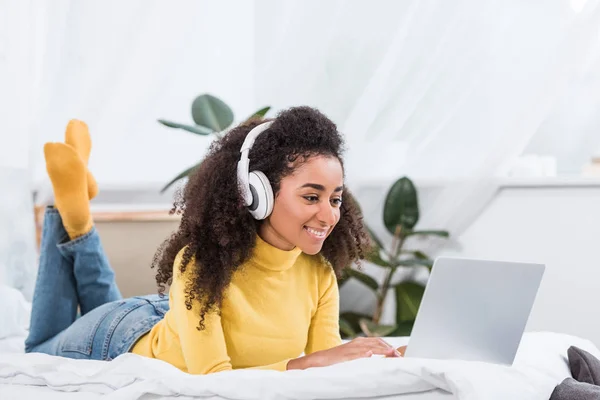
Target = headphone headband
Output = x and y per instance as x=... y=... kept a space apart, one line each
x=243 y=164
x=253 y=134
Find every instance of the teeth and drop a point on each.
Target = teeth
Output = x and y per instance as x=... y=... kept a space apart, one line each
x=316 y=232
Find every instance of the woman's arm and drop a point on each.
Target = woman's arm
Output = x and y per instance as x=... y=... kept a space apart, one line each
x=324 y=330
x=204 y=351
x=358 y=348
x=324 y=346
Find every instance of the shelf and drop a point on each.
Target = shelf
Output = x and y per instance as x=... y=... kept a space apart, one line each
x=135 y=216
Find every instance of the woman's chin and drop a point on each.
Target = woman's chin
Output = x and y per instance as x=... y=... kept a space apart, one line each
x=310 y=243
x=311 y=249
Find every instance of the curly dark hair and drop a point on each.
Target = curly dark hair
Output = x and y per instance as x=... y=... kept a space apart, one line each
x=216 y=229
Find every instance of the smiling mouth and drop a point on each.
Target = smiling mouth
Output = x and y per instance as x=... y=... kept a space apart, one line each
x=316 y=233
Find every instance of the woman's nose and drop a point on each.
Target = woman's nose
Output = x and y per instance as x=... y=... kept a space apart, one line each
x=326 y=215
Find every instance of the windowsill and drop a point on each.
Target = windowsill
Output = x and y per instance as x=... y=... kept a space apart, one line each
x=144 y=203
x=133 y=215
x=552 y=182
x=503 y=182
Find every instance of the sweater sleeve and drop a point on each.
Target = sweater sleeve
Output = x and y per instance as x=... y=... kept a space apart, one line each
x=204 y=351
x=324 y=331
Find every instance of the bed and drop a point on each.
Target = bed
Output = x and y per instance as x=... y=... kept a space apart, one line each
x=541 y=361
x=540 y=365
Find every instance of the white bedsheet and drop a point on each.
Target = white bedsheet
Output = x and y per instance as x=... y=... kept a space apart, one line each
x=539 y=367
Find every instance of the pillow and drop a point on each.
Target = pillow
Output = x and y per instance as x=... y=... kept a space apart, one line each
x=570 y=389
x=585 y=369
x=15 y=313
x=584 y=366
x=18 y=250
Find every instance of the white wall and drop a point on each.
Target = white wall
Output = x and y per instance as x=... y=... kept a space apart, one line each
x=556 y=223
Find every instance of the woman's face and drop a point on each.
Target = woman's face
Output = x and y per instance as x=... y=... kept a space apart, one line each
x=307 y=207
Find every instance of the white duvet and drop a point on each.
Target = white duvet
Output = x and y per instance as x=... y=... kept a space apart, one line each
x=540 y=365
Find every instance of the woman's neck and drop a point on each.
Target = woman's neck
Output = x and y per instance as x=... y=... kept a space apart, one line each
x=272 y=237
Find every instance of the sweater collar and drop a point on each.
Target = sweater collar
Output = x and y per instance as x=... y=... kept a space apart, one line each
x=270 y=257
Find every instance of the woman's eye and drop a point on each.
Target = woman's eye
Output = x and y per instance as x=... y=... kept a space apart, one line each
x=337 y=202
x=311 y=198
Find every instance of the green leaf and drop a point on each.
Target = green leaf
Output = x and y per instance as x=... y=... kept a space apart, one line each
x=199 y=130
x=418 y=254
x=370 y=328
x=374 y=254
x=180 y=176
x=428 y=233
x=364 y=278
x=401 y=206
x=404 y=329
x=415 y=261
x=211 y=112
x=375 y=239
x=408 y=300
x=353 y=319
x=260 y=113
x=346 y=328
x=344 y=278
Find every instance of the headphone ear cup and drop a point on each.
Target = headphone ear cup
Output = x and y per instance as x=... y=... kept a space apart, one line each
x=262 y=195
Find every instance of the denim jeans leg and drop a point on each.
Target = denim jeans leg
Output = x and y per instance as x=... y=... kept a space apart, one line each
x=107 y=331
x=55 y=299
x=94 y=277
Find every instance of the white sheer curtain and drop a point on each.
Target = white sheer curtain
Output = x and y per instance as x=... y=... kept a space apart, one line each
x=16 y=81
x=120 y=66
x=535 y=58
x=17 y=232
x=440 y=91
x=433 y=89
x=570 y=133
x=446 y=92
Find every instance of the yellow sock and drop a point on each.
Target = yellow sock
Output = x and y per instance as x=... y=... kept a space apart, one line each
x=68 y=175
x=77 y=135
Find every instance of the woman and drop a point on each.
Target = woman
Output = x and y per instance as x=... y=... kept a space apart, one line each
x=251 y=268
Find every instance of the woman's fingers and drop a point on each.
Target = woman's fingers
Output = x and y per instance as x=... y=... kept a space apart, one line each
x=385 y=343
x=392 y=351
x=388 y=352
x=356 y=354
x=377 y=346
x=401 y=350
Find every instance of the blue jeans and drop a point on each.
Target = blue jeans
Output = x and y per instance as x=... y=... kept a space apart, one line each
x=76 y=274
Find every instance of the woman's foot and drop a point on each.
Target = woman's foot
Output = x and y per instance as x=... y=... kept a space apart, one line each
x=68 y=174
x=77 y=136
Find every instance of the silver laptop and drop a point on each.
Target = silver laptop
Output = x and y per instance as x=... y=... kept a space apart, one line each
x=474 y=310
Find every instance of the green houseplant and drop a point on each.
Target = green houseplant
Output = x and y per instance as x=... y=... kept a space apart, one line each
x=212 y=116
x=400 y=215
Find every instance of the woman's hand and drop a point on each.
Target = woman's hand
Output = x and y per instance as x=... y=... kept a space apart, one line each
x=401 y=350
x=358 y=348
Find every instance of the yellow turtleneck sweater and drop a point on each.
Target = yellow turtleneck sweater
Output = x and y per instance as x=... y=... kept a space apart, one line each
x=279 y=305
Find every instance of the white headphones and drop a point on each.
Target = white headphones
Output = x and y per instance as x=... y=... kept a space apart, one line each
x=256 y=189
